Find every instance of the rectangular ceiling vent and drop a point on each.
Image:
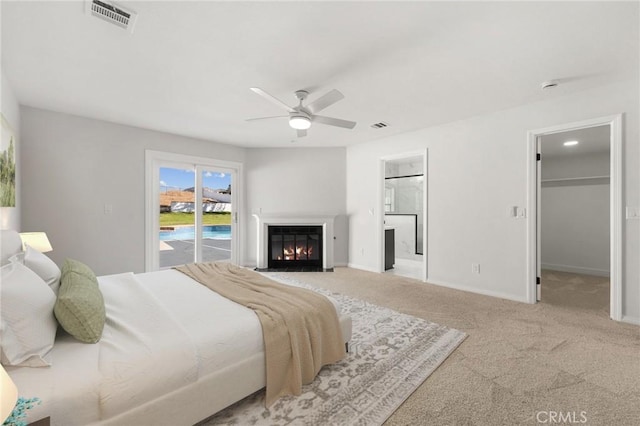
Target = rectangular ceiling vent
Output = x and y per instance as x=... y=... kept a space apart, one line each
x=112 y=13
x=380 y=125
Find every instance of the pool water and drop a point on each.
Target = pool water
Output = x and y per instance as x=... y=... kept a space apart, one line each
x=217 y=232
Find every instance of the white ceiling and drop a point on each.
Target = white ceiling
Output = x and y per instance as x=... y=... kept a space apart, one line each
x=188 y=66
x=591 y=140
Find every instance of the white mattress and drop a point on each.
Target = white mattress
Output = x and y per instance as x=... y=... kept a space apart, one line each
x=164 y=332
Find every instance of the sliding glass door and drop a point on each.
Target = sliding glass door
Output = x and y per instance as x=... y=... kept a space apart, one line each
x=217 y=209
x=177 y=218
x=191 y=210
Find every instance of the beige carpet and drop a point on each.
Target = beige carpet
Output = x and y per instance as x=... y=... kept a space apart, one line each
x=519 y=363
x=565 y=289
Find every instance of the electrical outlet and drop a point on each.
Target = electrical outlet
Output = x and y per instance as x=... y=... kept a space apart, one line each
x=633 y=212
x=475 y=268
x=108 y=209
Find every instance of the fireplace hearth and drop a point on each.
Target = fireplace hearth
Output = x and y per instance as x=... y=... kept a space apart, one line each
x=293 y=247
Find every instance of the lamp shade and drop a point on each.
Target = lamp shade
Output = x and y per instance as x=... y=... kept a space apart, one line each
x=36 y=240
x=8 y=395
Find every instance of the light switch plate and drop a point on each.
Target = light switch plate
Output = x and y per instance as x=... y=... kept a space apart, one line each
x=517 y=212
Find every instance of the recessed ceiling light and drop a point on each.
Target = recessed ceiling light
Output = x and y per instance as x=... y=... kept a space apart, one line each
x=570 y=143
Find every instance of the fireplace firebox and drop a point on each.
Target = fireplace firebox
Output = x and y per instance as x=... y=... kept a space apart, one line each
x=295 y=247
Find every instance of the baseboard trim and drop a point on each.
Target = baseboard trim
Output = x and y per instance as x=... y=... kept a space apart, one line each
x=475 y=290
x=452 y=286
x=576 y=269
x=631 y=320
x=362 y=268
x=340 y=265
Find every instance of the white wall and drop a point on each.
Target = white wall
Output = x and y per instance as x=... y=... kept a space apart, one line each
x=10 y=216
x=574 y=166
x=477 y=168
x=575 y=214
x=73 y=166
x=303 y=181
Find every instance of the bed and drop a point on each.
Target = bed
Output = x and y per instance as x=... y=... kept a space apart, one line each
x=172 y=352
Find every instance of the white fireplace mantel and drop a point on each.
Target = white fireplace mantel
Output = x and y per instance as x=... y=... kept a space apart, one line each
x=263 y=222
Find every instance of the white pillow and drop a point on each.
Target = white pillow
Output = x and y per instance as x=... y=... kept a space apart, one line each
x=28 y=325
x=10 y=244
x=17 y=258
x=44 y=267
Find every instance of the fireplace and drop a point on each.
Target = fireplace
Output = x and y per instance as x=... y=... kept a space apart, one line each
x=321 y=231
x=296 y=247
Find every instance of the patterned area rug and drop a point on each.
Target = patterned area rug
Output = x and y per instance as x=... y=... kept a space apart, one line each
x=390 y=355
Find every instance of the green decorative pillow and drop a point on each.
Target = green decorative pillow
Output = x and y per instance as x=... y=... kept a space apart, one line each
x=71 y=265
x=80 y=305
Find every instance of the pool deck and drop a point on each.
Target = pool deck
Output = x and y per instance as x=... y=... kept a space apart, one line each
x=181 y=251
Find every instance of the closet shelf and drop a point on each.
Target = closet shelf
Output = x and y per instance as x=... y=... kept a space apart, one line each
x=575 y=179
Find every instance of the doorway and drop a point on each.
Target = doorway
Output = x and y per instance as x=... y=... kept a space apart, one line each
x=192 y=210
x=574 y=228
x=404 y=215
x=574 y=217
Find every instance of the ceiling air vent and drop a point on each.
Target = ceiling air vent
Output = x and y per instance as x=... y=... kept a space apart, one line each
x=380 y=125
x=111 y=12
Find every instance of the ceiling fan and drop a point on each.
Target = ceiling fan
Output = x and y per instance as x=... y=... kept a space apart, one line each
x=301 y=116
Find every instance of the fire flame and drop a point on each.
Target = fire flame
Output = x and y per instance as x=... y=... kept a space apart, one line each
x=297 y=253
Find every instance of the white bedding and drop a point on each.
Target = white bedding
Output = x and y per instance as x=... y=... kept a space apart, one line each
x=167 y=339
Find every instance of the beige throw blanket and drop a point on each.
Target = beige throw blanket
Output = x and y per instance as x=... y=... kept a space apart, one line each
x=300 y=327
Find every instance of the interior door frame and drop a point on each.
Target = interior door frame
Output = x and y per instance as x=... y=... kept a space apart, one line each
x=615 y=205
x=538 y=219
x=156 y=159
x=425 y=227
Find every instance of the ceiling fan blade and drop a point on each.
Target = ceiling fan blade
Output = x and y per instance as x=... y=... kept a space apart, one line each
x=273 y=99
x=324 y=101
x=301 y=133
x=333 y=121
x=267 y=118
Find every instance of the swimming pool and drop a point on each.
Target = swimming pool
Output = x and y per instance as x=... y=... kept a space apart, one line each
x=217 y=232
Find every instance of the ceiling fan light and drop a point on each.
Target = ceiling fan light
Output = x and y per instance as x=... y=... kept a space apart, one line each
x=299 y=122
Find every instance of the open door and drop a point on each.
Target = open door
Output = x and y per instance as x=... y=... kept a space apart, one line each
x=538 y=218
